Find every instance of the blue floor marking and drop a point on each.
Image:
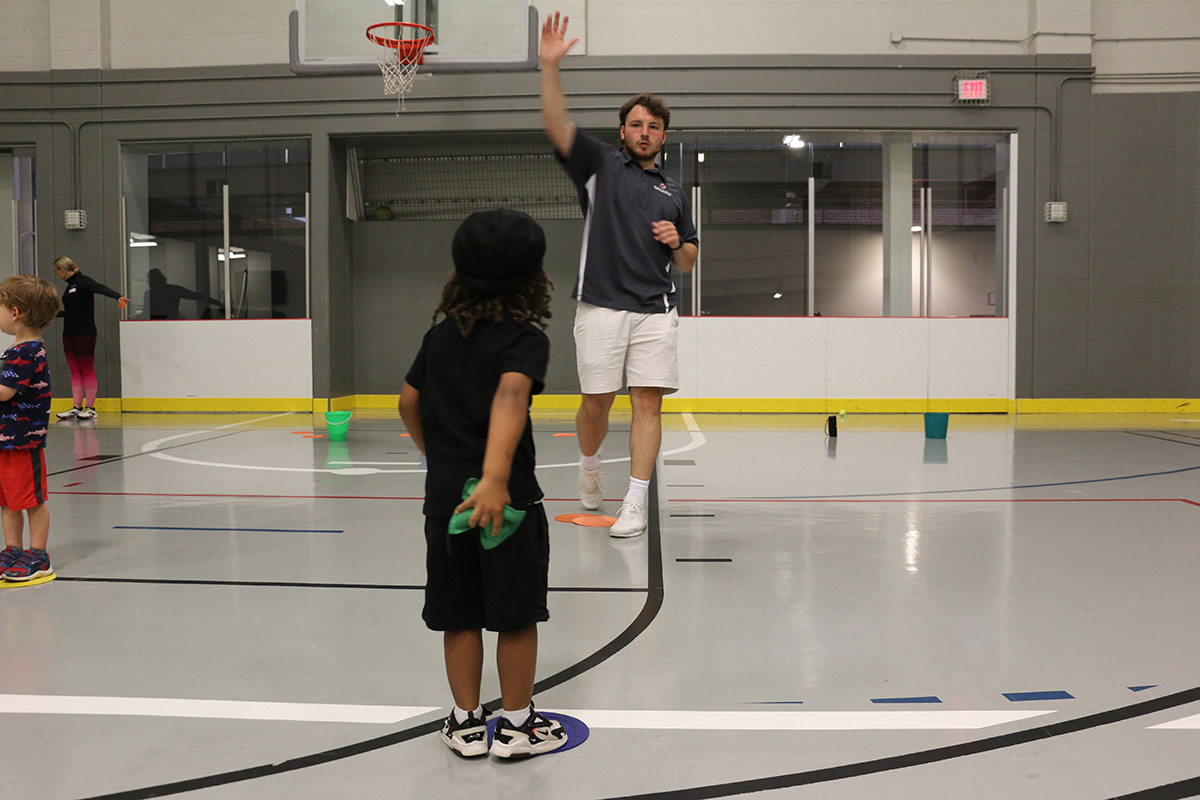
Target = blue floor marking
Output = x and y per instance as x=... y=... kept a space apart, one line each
x=929 y=699
x=1018 y=697
x=1143 y=688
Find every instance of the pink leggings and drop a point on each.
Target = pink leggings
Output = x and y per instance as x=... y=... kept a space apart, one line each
x=81 y=356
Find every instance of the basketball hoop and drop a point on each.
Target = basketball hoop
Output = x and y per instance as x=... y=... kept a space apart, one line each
x=399 y=54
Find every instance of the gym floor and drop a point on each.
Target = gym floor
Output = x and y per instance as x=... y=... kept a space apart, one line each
x=1006 y=613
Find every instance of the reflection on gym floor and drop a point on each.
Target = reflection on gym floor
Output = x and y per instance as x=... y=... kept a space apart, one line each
x=1007 y=612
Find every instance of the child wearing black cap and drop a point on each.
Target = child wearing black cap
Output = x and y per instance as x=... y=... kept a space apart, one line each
x=465 y=402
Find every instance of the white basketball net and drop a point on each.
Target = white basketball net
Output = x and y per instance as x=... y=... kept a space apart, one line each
x=397 y=77
x=399 y=67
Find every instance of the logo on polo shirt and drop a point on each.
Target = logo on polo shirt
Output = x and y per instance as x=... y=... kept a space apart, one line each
x=662 y=187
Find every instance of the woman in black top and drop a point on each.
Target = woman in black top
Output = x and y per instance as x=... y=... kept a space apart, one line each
x=79 y=334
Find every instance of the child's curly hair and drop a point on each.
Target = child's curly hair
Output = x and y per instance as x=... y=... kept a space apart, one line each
x=528 y=303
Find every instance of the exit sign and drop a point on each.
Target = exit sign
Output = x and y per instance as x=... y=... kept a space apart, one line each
x=974 y=89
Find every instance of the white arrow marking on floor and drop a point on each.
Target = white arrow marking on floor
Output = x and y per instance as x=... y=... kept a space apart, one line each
x=1191 y=723
x=208 y=709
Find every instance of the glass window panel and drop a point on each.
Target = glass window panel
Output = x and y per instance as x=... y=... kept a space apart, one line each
x=960 y=233
x=753 y=217
x=175 y=220
x=848 y=236
x=754 y=228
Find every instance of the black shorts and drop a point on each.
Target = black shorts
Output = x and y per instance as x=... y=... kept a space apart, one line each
x=502 y=589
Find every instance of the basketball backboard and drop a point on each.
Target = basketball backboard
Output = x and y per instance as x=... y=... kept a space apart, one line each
x=328 y=36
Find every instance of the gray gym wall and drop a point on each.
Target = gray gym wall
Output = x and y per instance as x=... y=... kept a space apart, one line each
x=1105 y=302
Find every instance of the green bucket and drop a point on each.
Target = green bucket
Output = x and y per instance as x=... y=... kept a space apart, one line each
x=338 y=422
x=936 y=425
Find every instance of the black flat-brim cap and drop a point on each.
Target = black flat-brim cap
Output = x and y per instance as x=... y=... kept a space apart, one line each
x=498 y=251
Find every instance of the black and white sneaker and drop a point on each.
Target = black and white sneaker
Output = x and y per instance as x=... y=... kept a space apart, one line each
x=468 y=738
x=538 y=735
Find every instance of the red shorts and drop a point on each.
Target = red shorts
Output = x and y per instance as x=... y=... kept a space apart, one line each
x=22 y=478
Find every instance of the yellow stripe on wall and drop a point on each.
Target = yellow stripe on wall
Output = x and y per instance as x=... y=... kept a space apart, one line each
x=304 y=405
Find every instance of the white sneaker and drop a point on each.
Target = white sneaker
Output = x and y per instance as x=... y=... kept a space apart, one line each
x=591 y=491
x=631 y=521
x=70 y=413
x=538 y=735
x=87 y=413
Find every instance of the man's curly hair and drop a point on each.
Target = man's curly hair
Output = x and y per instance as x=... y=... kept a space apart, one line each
x=528 y=303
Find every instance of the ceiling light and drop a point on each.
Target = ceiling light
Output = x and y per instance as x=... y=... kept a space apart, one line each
x=778 y=295
x=793 y=141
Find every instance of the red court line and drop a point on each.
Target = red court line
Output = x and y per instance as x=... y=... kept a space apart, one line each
x=288 y=496
x=246 y=496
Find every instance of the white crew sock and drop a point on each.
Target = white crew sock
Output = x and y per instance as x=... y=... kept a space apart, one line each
x=460 y=715
x=638 y=489
x=517 y=718
x=590 y=463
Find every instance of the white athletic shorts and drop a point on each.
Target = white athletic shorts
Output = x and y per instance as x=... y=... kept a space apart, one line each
x=611 y=345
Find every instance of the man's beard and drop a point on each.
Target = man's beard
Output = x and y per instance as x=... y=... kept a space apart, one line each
x=649 y=156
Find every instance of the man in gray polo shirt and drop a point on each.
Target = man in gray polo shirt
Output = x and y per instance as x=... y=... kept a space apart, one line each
x=637 y=228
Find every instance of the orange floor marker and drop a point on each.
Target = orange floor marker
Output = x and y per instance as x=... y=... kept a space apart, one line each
x=594 y=520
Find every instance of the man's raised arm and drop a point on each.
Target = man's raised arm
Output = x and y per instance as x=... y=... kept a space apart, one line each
x=555 y=119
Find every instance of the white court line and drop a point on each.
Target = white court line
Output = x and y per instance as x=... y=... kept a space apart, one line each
x=627 y=720
x=208 y=709
x=1191 y=723
x=697 y=440
x=799 y=720
x=155 y=444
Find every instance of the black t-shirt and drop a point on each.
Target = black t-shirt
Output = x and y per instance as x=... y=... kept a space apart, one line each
x=457 y=379
x=79 y=305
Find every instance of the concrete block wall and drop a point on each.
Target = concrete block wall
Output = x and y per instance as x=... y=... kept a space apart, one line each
x=1123 y=36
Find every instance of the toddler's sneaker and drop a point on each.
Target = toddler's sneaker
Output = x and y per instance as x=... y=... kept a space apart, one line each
x=468 y=738
x=29 y=565
x=70 y=413
x=631 y=521
x=87 y=413
x=538 y=735
x=8 y=557
x=591 y=491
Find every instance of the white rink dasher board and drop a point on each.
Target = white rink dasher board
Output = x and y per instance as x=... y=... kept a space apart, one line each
x=268 y=358
x=838 y=357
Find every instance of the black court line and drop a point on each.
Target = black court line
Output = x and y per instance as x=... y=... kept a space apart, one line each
x=1172 y=791
x=653 y=604
x=114 y=459
x=224 y=530
x=1163 y=437
x=693 y=515
x=704 y=560
x=303 y=585
x=923 y=757
x=980 y=489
